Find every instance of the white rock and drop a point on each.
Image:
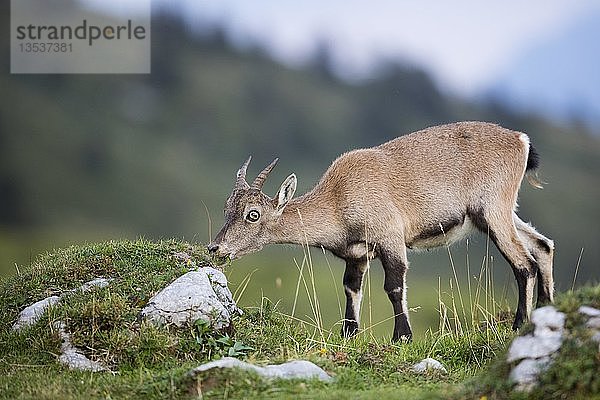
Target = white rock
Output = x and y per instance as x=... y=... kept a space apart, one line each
x=546 y=339
x=593 y=323
x=219 y=285
x=192 y=297
x=31 y=314
x=428 y=364
x=548 y=322
x=71 y=356
x=299 y=369
x=589 y=311
x=95 y=283
x=525 y=374
x=73 y=359
x=533 y=347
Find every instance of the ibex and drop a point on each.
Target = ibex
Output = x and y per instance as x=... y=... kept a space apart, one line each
x=423 y=190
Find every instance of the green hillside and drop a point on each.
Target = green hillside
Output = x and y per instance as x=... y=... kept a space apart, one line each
x=91 y=157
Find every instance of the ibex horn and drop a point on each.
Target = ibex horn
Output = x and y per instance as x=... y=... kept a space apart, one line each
x=260 y=179
x=241 y=174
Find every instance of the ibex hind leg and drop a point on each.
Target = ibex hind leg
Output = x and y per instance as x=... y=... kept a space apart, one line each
x=542 y=250
x=395 y=266
x=501 y=228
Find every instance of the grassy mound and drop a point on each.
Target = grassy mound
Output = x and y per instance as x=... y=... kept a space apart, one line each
x=152 y=362
x=574 y=373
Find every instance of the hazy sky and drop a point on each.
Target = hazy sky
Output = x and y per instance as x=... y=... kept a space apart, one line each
x=464 y=44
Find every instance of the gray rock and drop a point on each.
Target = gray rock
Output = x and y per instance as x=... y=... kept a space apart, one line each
x=589 y=311
x=428 y=364
x=546 y=339
x=219 y=285
x=93 y=284
x=31 y=314
x=548 y=322
x=533 y=347
x=536 y=350
x=72 y=357
x=525 y=374
x=299 y=369
x=192 y=297
x=593 y=323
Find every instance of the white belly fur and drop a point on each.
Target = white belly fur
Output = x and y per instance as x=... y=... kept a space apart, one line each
x=455 y=234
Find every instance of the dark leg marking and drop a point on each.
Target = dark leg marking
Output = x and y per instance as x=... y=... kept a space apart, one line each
x=477 y=217
x=353 y=276
x=522 y=276
x=542 y=250
x=522 y=273
x=395 y=274
x=544 y=245
x=543 y=292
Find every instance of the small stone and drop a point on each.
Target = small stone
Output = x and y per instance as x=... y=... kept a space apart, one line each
x=548 y=322
x=73 y=359
x=593 y=323
x=428 y=364
x=589 y=311
x=533 y=347
x=31 y=314
x=95 y=283
x=299 y=369
x=71 y=356
x=525 y=374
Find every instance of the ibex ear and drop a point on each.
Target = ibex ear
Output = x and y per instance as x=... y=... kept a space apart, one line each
x=286 y=192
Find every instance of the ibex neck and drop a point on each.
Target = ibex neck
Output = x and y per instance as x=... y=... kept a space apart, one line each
x=308 y=220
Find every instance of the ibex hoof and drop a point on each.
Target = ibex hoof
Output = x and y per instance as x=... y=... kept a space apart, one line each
x=349 y=329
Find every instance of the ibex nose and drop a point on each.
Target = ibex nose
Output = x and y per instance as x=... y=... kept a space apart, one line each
x=213 y=247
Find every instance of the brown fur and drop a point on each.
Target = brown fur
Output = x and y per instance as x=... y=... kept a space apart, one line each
x=426 y=189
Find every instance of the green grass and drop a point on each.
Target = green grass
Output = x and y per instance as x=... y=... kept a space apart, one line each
x=149 y=362
x=574 y=372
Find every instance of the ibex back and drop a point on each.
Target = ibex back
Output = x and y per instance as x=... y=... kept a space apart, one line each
x=422 y=190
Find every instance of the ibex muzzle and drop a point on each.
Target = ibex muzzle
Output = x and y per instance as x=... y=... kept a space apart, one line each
x=422 y=190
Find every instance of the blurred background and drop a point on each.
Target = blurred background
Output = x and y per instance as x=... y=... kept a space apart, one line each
x=99 y=157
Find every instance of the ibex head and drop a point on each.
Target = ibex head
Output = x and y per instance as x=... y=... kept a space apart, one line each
x=250 y=215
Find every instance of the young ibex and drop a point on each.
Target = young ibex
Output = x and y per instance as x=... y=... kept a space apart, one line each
x=422 y=190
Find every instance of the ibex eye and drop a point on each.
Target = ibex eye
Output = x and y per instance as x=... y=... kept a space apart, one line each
x=253 y=216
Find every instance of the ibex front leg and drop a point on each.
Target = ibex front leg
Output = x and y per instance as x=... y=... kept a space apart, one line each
x=353 y=277
x=395 y=266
